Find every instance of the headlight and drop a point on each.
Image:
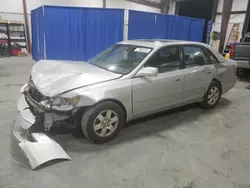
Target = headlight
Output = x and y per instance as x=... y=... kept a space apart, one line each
x=60 y=101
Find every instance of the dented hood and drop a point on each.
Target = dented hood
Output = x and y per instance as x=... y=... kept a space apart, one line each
x=55 y=77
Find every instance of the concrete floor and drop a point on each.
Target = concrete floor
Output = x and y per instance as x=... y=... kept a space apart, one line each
x=184 y=148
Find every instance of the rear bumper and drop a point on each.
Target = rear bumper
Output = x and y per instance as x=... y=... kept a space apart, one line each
x=38 y=147
x=243 y=64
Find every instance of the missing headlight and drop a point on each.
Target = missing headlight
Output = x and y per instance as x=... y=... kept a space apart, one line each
x=59 y=101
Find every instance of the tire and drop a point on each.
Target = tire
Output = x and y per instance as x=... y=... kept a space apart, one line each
x=212 y=96
x=99 y=123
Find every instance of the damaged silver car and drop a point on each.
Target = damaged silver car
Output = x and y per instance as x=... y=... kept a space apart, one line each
x=128 y=80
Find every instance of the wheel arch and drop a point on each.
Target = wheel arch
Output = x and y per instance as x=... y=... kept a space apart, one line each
x=216 y=80
x=119 y=103
x=81 y=110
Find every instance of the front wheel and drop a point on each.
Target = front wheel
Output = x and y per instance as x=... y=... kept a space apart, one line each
x=102 y=122
x=212 y=96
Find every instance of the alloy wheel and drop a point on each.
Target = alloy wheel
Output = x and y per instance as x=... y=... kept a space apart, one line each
x=105 y=123
x=213 y=95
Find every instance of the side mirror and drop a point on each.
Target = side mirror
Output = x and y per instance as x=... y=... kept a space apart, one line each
x=147 y=71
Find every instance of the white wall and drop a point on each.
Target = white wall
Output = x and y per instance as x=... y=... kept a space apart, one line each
x=32 y=4
x=172 y=6
x=233 y=19
x=130 y=5
x=11 y=6
x=15 y=6
x=13 y=9
x=238 y=5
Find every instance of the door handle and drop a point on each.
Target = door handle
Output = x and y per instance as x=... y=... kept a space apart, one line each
x=177 y=80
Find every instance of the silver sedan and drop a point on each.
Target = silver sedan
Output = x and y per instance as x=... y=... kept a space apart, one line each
x=128 y=80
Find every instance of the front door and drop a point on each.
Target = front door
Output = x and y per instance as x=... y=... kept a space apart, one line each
x=155 y=93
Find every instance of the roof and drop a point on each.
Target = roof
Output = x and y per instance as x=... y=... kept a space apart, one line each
x=156 y=43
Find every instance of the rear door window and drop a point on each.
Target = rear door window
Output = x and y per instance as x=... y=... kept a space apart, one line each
x=194 y=56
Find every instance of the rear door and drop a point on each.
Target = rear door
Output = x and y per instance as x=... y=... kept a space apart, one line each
x=198 y=71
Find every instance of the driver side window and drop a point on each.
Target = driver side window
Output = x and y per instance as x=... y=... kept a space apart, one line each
x=166 y=59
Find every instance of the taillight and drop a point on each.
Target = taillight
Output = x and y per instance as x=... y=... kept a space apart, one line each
x=232 y=51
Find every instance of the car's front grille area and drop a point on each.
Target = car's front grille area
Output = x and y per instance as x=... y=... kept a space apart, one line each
x=35 y=94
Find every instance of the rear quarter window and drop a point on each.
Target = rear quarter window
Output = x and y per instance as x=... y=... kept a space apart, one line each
x=212 y=57
x=218 y=56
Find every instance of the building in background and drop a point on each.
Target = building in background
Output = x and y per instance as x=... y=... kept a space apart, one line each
x=210 y=10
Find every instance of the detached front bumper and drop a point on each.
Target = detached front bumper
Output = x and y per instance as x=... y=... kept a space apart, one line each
x=38 y=147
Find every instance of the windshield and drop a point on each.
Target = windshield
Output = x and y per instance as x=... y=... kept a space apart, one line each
x=121 y=58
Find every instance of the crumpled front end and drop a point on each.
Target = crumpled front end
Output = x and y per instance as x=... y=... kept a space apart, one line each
x=38 y=147
x=50 y=111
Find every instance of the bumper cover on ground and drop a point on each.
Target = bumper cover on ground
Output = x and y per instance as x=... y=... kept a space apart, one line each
x=38 y=147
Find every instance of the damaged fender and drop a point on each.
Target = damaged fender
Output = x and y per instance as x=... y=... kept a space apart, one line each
x=38 y=147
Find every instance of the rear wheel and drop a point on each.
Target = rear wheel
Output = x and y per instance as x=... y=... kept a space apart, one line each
x=212 y=96
x=102 y=122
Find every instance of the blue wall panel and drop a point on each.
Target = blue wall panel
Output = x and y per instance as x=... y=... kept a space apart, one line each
x=34 y=35
x=182 y=28
x=81 y=33
x=37 y=26
x=141 y=25
x=163 y=26
x=196 y=30
x=72 y=33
